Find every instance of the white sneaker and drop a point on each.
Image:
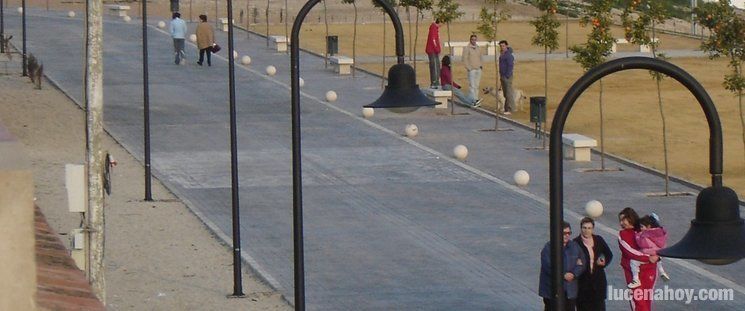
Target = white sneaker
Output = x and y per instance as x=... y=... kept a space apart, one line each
x=664 y=276
x=634 y=284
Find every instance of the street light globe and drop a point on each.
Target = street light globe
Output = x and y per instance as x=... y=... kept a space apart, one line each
x=270 y=70
x=126 y=18
x=192 y=37
x=368 y=112
x=331 y=96
x=246 y=60
x=594 y=209
x=411 y=130
x=522 y=178
x=460 y=152
x=302 y=82
x=20 y=10
x=162 y=24
x=71 y=14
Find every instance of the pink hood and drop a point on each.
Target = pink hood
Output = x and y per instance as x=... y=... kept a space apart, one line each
x=651 y=240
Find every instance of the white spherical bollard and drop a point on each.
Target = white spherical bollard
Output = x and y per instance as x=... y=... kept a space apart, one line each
x=71 y=14
x=20 y=10
x=460 y=152
x=368 y=112
x=246 y=60
x=126 y=18
x=331 y=96
x=193 y=38
x=411 y=130
x=302 y=82
x=270 y=70
x=161 y=24
x=235 y=54
x=522 y=178
x=594 y=209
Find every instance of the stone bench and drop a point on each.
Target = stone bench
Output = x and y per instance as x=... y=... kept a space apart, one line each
x=577 y=147
x=439 y=95
x=642 y=48
x=280 y=43
x=224 y=23
x=118 y=10
x=458 y=47
x=341 y=64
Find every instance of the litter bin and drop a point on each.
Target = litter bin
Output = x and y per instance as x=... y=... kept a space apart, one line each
x=332 y=45
x=174 y=6
x=538 y=109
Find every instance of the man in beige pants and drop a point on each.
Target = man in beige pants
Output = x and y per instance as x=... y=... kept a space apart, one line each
x=472 y=60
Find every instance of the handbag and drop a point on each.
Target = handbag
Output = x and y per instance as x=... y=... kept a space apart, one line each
x=216 y=48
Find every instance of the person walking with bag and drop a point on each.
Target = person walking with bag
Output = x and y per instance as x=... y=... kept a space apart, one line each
x=205 y=40
x=433 y=52
x=178 y=33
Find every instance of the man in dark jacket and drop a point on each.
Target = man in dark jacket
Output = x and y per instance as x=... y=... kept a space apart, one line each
x=574 y=266
x=506 y=66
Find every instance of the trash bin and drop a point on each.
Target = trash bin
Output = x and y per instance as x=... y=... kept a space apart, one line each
x=538 y=109
x=332 y=45
x=174 y=6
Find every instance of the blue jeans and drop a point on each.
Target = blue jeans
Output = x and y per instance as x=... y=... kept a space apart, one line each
x=459 y=94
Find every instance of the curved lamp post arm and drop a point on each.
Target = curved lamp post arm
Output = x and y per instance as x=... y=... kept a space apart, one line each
x=297 y=197
x=556 y=154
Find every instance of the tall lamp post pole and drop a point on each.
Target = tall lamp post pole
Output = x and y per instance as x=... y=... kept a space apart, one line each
x=23 y=22
x=401 y=93
x=2 y=25
x=717 y=235
x=146 y=104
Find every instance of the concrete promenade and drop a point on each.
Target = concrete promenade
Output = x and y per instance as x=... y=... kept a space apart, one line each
x=391 y=223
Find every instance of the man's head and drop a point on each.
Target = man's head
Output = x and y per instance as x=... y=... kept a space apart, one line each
x=203 y=18
x=176 y=15
x=503 y=45
x=567 y=232
x=438 y=21
x=473 y=39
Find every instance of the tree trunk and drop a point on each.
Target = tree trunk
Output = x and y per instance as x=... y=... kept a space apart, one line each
x=382 y=81
x=662 y=116
x=602 y=129
x=496 y=82
x=354 y=40
x=450 y=46
x=287 y=21
x=326 y=21
x=408 y=16
x=416 y=37
x=545 y=93
x=94 y=141
x=248 y=18
x=267 y=22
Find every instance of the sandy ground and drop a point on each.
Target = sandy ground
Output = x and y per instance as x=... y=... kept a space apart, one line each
x=159 y=256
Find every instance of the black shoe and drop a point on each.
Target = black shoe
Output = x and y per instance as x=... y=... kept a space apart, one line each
x=199 y=63
x=209 y=64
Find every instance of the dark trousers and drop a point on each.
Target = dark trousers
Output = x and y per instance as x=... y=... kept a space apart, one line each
x=434 y=70
x=592 y=305
x=570 y=305
x=207 y=50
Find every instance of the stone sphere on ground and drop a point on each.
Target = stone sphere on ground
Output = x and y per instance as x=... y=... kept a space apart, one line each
x=71 y=14
x=20 y=9
x=246 y=60
x=331 y=96
x=126 y=18
x=522 y=178
x=594 y=209
x=460 y=152
x=161 y=24
x=270 y=70
x=411 y=130
x=368 y=112
x=302 y=82
x=192 y=37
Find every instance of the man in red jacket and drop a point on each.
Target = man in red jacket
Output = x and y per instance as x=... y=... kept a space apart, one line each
x=433 y=52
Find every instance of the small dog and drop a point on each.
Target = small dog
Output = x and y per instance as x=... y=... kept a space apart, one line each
x=519 y=97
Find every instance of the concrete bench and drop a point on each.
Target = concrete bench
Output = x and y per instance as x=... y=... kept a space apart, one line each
x=118 y=10
x=341 y=64
x=458 y=47
x=224 y=23
x=439 y=95
x=280 y=43
x=642 y=48
x=577 y=147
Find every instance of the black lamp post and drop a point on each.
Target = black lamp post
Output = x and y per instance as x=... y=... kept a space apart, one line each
x=23 y=26
x=401 y=93
x=2 y=25
x=146 y=105
x=717 y=235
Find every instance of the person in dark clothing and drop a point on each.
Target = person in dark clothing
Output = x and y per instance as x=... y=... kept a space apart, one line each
x=506 y=70
x=574 y=266
x=593 y=283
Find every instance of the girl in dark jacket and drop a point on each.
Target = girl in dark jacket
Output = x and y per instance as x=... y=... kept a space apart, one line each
x=592 y=284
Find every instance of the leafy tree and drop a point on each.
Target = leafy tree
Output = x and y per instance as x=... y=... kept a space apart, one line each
x=394 y=4
x=639 y=20
x=447 y=11
x=727 y=39
x=547 y=36
x=490 y=17
x=354 y=34
x=597 y=48
x=326 y=21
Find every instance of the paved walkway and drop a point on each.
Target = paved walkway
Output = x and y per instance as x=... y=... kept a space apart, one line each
x=391 y=223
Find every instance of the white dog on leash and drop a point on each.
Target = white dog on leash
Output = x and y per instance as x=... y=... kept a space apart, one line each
x=519 y=97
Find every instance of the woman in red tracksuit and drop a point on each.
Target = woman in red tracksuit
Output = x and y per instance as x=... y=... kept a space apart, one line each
x=629 y=221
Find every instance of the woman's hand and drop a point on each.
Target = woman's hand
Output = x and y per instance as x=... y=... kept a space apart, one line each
x=601 y=262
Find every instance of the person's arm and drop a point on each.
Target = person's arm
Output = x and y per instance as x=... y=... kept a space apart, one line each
x=466 y=56
x=580 y=264
x=171 y=27
x=605 y=251
x=545 y=260
x=627 y=250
